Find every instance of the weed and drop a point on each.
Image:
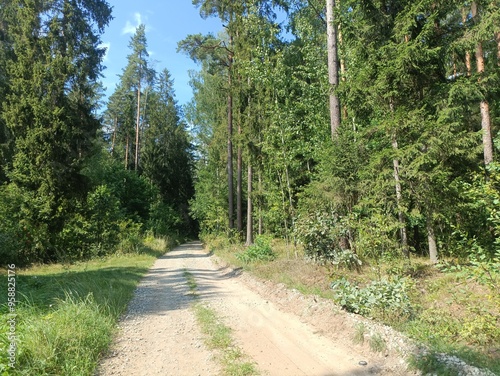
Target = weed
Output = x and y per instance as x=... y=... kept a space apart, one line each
x=218 y=337
x=378 y=296
x=359 y=334
x=191 y=282
x=430 y=364
x=377 y=343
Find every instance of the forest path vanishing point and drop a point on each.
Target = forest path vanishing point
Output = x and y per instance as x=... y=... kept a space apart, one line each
x=281 y=331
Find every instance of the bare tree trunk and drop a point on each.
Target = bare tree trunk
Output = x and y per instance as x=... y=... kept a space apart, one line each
x=249 y=207
x=484 y=105
x=239 y=185
x=399 y=197
x=333 y=69
x=468 y=65
x=230 y=144
x=497 y=38
x=261 y=220
x=114 y=136
x=136 y=164
x=433 y=254
x=126 y=152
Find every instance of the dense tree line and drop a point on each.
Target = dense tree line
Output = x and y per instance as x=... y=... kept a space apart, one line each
x=367 y=128
x=75 y=183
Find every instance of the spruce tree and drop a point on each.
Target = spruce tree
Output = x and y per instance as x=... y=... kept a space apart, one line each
x=49 y=108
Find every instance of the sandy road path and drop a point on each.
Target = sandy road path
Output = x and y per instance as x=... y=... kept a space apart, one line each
x=159 y=334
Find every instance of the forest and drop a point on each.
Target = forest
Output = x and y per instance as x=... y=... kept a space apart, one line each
x=365 y=130
x=81 y=178
x=358 y=129
x=350 y=132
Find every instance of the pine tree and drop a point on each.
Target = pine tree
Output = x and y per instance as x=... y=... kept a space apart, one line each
x=136 y=76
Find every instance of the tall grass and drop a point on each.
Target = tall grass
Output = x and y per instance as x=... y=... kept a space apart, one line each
x=67 y=314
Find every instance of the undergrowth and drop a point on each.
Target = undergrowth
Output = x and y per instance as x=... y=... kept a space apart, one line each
x=259 y=251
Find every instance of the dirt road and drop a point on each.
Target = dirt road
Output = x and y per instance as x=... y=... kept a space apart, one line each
x=284 y=333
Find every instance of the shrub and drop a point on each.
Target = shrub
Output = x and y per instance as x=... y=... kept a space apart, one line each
x=379 y=296
x=259 y=251
x=130 y=239
x=325 y=239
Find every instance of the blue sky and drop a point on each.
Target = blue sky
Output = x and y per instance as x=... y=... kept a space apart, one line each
x=167 y=22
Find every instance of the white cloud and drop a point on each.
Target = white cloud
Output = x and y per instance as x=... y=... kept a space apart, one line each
x=107 y=46
x=139 y=19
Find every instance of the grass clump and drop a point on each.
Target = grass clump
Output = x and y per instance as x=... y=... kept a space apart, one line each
x=377 y=343
x=218 y=337
x=191 y=282
x=68 y=340
x=359 y=334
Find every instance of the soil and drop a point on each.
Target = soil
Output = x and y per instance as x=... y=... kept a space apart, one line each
x=284 y=332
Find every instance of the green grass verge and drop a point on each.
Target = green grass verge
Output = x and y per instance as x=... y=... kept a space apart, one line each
x=67 y=314
x=218 y=337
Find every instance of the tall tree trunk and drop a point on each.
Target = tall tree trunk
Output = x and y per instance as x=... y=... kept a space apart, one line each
x=399 y=197
x=468 y=65
x=484 y=105
x=230 y=142
x=136 y=163
x=333 y=67
x=249 y=206
x=113 y=140
x=261 y=219
x=126 y=152
x=239 y=184
x=497 y=38
x=431 y=238
x=342 y=76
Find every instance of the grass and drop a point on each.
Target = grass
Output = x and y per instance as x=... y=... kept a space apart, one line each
x=67 y=314
x=377 y=343
x=359 y=334
x=218 y=337
x=451 y=314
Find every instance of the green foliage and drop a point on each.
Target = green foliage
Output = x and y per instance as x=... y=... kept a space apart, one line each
x=130 y=240
x=93 y=230
x=163 y=219
x=259 y=251
x=379 y=297
x=480 y=267
x=326 y=239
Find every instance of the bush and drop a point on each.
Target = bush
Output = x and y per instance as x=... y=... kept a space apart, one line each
x=130 y=240
x=259 y=251
x=163 y=219
x=379 y=296
x=325 y=239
